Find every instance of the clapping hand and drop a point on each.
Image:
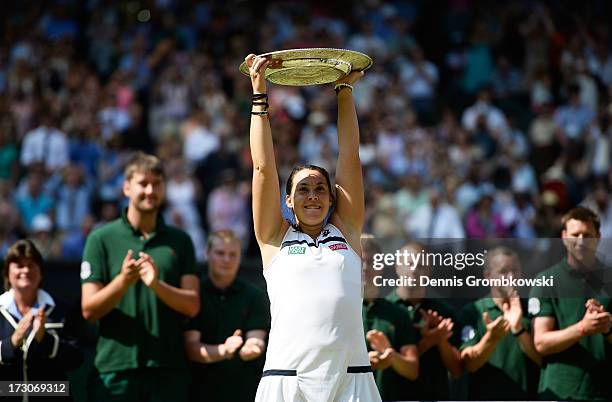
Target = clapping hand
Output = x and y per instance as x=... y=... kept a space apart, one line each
x=435 y=327
x=497 y=328
x=147 y=269
x=22 y=329
x=232 y=344
x=513 y=312
x=252 y=349
x=38 y=325
x=129 y=269
x=596 y=319
x=380 y=356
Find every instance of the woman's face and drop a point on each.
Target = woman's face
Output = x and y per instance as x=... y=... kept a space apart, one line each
x=24 y=275
x=310 y=197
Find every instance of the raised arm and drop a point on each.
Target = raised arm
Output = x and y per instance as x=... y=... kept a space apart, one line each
x=267 y=218
x=350 y=204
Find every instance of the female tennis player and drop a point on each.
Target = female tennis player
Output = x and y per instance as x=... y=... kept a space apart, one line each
x=317 y=350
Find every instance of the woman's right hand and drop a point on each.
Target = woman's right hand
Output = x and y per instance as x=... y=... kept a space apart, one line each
x=22 y=329
x=257 y=67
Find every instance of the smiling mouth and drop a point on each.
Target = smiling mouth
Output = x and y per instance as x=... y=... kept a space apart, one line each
x=312 y=207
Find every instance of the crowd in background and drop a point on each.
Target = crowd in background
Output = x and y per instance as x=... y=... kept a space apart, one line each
x=478 y=119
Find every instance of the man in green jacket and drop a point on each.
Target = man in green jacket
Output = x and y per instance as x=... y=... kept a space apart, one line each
x=572 y=321
x=139 y=282
x=227 y=340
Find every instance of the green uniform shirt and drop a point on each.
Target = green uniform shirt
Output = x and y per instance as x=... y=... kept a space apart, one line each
x=581 y=371
x=141 y=330
x=432 y=383
x=509 y=373
x=395 y=323
x=241 y=306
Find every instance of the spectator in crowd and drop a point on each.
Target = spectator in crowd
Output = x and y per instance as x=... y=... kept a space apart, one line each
x=38 y=332
x=73 y=242
x=483 y=221
x=600 y=202
x=437 y=338
x=479 y=59
x=45 y=145
x=115 y=83
x=390 y=334
x=317 y=135
x=484 y=113
x=198 y=139
x=184 y=194
x=435 y=219
x=227 y=339
x=9 y=218
x=420 y=78
x=228 y=207
x=41 y=233
x=106 y=80
x=497 y=348
x=573 y=118
x=33 y=201
x=410 y=197
x=139 y=281
x=9 y=155
x=74 y=196
x=572 y=324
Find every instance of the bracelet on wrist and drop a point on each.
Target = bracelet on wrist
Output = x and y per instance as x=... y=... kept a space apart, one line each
x=519 y=332
x=259 y=113
x=264 y=104
x=342 y=85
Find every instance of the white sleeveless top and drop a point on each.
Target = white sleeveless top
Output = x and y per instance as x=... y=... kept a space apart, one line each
x=315 y=301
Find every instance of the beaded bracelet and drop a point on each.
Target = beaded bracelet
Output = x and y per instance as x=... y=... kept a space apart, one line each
x=338 y=87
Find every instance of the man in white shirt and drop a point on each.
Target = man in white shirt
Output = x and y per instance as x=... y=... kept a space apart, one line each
x=45 y=145
x=436 y=219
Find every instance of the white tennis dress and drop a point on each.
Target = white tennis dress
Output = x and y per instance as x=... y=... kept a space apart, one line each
x=317 y=350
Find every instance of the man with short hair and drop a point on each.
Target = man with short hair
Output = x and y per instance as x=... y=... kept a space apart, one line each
x=572 y=324
x=437 y=338
x=390 y=334
x=227 y=339
x=139 y=281
x=497 y=349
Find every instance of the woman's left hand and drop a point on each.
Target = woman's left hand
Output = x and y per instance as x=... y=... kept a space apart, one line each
x=38 y=326
x=351 y=78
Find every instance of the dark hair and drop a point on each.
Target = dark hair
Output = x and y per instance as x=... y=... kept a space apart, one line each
x=143 y=163
x=299 y=168
x=582 y=214
x=369 y=244
x=19 y=251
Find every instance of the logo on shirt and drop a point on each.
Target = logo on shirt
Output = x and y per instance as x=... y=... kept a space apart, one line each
x=338 y=246
x=297 y=250
x=85 y=270
x=325 y=233
x=468 y=333
x=533 y=306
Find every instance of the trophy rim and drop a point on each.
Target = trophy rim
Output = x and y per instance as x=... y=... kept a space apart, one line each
x=312 y=56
